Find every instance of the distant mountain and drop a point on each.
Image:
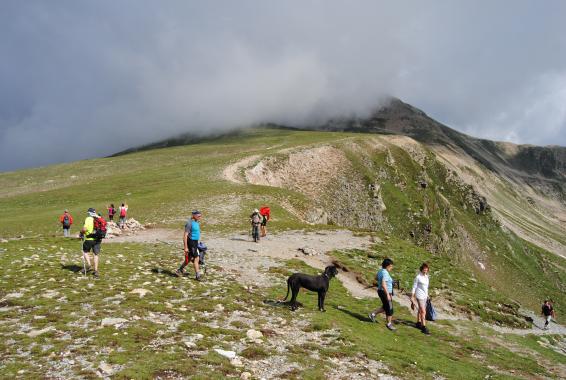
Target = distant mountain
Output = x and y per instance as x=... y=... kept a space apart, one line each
x=541 y=167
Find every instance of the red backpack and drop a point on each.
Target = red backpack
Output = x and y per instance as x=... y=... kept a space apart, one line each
x=122 y=212
x=99 y=231
x=265 y=211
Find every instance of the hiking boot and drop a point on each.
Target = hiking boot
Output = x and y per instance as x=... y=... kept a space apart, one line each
x=179 y=273
x=198 y=277
x=419 y=325
x=371 y=317
x=425 y=330
x=390 y=327
x=95 y=274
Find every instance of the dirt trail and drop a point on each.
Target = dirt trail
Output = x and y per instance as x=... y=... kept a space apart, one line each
x=251 y=261
x=231 y=172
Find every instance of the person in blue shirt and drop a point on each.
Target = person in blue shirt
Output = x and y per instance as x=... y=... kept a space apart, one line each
x=191 y=238
x=385 y=293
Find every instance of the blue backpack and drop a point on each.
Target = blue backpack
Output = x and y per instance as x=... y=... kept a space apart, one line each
x=430 y=312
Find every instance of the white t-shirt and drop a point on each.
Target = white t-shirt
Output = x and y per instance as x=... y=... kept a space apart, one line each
x=420 y=286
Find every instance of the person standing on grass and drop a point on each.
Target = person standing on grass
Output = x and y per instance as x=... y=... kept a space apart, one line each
x=91 y=241
x=419 y=295
x=111 y=212
x=191 y=237
x=547 y=313
x=123 y=214
x=66 y=221
x=385 y=292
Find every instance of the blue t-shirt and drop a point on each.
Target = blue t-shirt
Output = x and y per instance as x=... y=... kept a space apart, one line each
x=383 y=274
x=193 y=228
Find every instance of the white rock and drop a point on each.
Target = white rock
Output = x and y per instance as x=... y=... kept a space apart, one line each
x=219 y=307
x=34 y=333
x=142 y=292
x=253 y=334
x=236 y=362
x=245 y=376
x=190 y=344
x=112 y=321
x=106 y=368
x=481 y=265
x=227 y=354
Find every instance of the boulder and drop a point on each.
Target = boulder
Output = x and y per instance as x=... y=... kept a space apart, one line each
x=254 y=334
x=227 y=354
x=105 y=369
x=112 y=321
x=245 y=376
x=308 y=251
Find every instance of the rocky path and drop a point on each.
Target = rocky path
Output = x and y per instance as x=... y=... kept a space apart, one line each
x=251 y=261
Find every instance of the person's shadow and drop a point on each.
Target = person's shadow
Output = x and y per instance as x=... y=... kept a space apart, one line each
x=365 y=318
x=72 y=267
x=165 y=272
x=276 y=303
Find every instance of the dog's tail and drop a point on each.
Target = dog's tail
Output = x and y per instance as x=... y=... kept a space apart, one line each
x=288 y=288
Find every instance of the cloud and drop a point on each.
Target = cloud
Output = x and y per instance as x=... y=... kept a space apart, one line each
x=83 y=79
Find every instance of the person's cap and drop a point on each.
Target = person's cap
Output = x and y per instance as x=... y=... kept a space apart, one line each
x=91 y=210
x=256 y=210
x=196 y=212
x=66 y=210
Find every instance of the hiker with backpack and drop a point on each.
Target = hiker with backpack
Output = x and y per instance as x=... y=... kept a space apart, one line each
x=191 y=238
x=255 y=219
x=66 y=221
x=548 y=313
x=385 y=292
x=265 y=213
x=93 y=231
x=419 y=295
x=111 y=212
x=123 y=213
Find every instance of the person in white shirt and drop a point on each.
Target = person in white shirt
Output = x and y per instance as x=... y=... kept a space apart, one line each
x=419 y=295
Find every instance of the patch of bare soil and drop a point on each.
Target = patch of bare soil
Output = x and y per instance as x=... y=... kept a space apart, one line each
x=232 y=172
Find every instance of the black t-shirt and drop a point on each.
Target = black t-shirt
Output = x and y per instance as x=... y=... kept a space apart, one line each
x=547 y=310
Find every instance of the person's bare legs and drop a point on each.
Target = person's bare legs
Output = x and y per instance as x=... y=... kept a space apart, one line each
x=196 y=265
x=96 y=263
x=86 y=257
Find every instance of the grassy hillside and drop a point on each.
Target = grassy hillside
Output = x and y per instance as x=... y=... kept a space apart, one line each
x=443 y=223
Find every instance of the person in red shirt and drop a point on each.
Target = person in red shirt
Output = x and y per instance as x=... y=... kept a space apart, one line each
x=66 y=221
x=266 y=216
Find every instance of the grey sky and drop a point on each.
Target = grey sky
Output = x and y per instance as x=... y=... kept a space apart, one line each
x=88 y=78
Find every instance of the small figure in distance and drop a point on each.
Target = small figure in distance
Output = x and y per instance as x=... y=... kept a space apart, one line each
x=111 y=212
x=265 y=217
x=255 y=219
x=123 y=215
x=66 y=221
x=548 y=313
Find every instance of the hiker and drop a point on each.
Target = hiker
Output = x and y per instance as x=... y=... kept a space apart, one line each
x=265 y=217
x=419 y=295
x=191 y=238
x=123 y=213
x=385 y=292
x=66 y=221
x=111 y=212
x=93 y=231
x=255 y=219
x=548 y=313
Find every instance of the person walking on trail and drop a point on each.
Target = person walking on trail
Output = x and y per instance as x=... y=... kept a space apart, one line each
x=66 y=221
x=419 y=295
x=265 y=217
x=123 y=214
x=93 y=231
x=548 y=313
x=191 y=239
x=111 y=212
x=255 y=219
x=385 y=292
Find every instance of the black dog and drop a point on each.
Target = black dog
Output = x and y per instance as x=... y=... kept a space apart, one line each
x=317 y=284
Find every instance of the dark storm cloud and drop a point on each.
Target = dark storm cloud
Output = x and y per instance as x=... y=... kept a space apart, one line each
x=88 y=78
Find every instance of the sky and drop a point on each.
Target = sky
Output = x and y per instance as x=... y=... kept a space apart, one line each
x=81 y=79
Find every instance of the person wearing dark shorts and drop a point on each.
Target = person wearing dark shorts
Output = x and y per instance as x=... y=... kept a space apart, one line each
x=385 y=293
x=90 y=243
x=191 y=238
